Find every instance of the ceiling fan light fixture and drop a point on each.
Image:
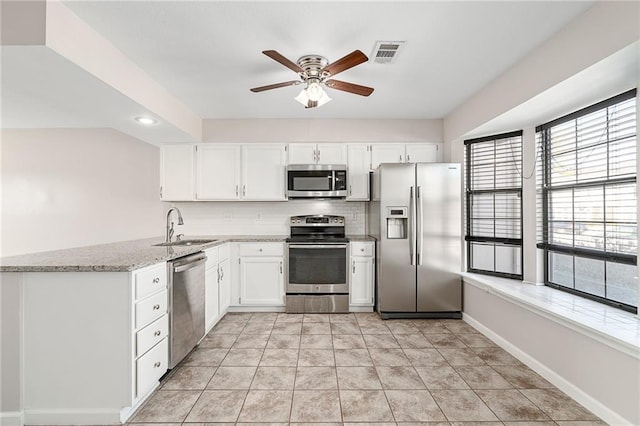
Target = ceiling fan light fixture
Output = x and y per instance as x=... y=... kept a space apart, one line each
x=314 y=91
x=304 y=98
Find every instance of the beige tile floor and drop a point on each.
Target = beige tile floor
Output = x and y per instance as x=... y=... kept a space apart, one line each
x=354 y=368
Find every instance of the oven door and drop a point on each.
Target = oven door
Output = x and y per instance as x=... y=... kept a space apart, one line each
x=317 y=268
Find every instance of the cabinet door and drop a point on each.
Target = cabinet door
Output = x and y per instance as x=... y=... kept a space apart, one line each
x=423 y=153
x=176 y=172
x=224 y=286
x=358 y=161
x=261 y=281
x=361 y=291
x=332 y=153
x=386 y=153
x=211 y=305
x=302 y=153
x=263 y=172
x=218 y=172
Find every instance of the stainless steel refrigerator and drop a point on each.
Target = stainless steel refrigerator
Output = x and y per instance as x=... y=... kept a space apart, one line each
x=415 y=215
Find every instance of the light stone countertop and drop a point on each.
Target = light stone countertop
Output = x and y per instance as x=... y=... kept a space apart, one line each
x=117 y=257
x=124 y=256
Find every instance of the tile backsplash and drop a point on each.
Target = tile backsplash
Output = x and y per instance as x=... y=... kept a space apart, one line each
x=262 y=218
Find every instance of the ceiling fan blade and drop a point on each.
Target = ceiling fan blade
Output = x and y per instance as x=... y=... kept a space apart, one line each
x=351 y=60
x=284 y=61
x=349 y=87
x=275 y=86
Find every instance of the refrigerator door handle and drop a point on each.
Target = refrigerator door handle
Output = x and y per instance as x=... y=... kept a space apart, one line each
x=412 y=227
x=420 y=223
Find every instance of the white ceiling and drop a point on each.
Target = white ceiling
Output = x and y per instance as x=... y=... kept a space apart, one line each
x=208 y=53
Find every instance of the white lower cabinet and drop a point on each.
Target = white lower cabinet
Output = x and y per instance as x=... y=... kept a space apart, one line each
x=151 y=327
x=217 y=284
x=362 y=275
x=261 y=274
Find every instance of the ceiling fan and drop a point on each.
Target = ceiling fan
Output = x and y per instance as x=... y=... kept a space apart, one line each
x=315 y=71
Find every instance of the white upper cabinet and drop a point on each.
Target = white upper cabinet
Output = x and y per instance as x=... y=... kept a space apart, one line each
x=423 y=153
x=226 y=172
x=322 y=153
x=302 y=153
x=405 y=153
x=387 y=153
x=332 y=153
x=358 y=169
x=218 y=172
x=176 y=172
x=263 y=172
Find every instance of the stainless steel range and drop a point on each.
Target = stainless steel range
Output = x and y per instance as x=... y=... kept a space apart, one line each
x=317 y=256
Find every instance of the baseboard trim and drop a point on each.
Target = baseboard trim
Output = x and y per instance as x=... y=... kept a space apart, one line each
x=72 y=417
x=592 y=404
x=11 y=418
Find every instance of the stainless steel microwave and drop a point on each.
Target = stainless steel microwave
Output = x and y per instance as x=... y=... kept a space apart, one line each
x=317 y=181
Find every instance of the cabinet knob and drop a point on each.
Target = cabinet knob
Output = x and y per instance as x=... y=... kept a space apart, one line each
x=260 y=250
x=157 y=364
x=156 y=307
x=361 y=249
x=156 y=280
x=157 y=333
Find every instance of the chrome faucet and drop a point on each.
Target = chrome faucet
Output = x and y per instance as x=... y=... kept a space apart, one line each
x=170 y=227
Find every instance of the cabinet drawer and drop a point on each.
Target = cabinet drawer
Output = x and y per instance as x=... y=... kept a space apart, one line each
x=224 y=252
x=261 y=249
x=361 y=249
x=151 y=366
x=151 y=308
x=149 y=280
x=152 y=334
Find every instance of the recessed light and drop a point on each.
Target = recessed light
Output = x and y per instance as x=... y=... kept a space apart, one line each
x=146 y=120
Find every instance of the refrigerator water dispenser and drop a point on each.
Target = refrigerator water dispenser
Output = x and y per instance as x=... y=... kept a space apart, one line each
x=397 y=223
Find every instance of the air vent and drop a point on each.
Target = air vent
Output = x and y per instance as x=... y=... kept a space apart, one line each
x=386 y=52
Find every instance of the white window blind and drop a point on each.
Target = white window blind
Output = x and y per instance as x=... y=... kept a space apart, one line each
x=588 y=195
x=494 y=204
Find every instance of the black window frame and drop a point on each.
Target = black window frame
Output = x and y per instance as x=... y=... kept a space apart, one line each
x=469 y=194
x=546 y=188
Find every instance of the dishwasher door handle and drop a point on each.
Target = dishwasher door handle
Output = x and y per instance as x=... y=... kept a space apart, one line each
x=187 y=266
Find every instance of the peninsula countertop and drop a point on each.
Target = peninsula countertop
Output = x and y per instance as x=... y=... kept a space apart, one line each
x=124 y=256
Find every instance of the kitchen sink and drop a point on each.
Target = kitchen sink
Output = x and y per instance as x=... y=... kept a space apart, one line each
x=186 y=242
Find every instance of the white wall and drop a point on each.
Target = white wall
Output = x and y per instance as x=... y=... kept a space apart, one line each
x=602 y=378
x=318 y=130
x=65 y=188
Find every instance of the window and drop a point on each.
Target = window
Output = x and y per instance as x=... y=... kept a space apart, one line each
x=589 y=223
x=494 y=205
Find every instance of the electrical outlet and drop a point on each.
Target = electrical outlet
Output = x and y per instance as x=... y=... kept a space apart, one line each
x=228 y=217
x=354 y=215
x=258 y=216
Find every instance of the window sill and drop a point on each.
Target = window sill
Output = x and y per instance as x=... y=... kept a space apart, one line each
x=613 y=327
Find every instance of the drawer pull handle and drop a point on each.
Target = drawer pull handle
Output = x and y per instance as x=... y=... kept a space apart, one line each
x=157 y=333
x=157 y=364
x=156 y=280
x=156 y=307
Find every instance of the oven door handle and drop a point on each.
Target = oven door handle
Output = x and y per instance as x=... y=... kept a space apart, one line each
x=316 y=246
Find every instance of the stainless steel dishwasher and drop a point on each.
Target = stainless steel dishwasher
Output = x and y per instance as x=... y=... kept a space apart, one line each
x=186 y=305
